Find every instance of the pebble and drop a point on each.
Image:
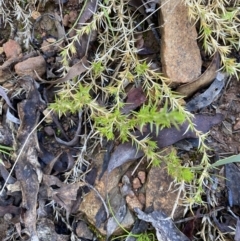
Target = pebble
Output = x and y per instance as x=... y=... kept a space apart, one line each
x=30 y=65
x=133 y=202
x=142 y=176
x=12 y=49
x=136 y=183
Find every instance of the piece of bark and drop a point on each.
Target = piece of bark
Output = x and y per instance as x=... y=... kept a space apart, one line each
x=28 y=170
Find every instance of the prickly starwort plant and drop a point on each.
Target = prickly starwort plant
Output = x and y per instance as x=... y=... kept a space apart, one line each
x=218 y=29
x=101 y=91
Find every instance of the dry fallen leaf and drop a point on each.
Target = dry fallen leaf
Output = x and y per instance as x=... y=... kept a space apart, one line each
x=65 y=194
x=165 y=228
x=75 y=70
x=203 y=80
x=206 y=98
x=135 y=98
x=28 y=170
x=124 y=152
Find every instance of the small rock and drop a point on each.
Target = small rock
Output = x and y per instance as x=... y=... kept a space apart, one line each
x=180 y=55
x=133 y=202
x=136 y=183
x=83 y=231
x=65 y=20
x=159 y=195
x=237 y=125
x=142 y=176
x=35 y=14
x=12 y=49
x=7 y=217
x=30 y=65
x=72 y=16
x=48 y=118
x=49 y=130
x=48 y=48
x=92 y=207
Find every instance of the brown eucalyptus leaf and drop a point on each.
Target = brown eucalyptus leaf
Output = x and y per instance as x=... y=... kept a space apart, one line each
x=135 y=98
x=203 y=80
x=169 y=136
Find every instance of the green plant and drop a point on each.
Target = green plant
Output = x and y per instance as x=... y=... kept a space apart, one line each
x=102 y=89
x=5 y=150
x=219 y=29
x=227 y=160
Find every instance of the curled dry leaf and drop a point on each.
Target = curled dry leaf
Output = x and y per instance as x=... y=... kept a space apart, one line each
x=5 y=97
x=75 y=140
x=203 y=80
x=206 y=98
